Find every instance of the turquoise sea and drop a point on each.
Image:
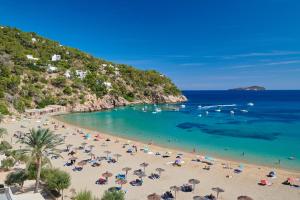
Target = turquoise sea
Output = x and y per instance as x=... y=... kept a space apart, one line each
x=262 y=125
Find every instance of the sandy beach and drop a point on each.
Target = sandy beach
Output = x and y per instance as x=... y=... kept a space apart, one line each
x=245 y=183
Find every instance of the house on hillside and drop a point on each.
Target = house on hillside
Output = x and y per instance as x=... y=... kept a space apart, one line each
x=107 y=85
x=79 y=73
x=51 y=69
x=56 y=57
x=67 y=74
x=30 y=57
x=33 y=40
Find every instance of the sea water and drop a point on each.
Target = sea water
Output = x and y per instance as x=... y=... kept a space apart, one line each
x=261 y=127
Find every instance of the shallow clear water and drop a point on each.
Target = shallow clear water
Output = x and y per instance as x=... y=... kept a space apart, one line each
x=266 y=132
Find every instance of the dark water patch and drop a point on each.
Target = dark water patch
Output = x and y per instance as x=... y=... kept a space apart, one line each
x=230 y=123
x=254 y=121
x=190 y=125
x=238 y=134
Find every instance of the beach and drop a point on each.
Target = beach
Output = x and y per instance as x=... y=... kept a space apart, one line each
x=245 y=183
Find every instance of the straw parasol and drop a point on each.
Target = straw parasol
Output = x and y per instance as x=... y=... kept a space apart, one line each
x=175 y=189
x=82 y=163
x=106 y=175
x=73 y=158
x=144 y=165
x=126 y=170
x=141 y=175
x=159 y=170
x=244 y=198
x=194 y=182
x=153 y=196
x=218 y=190
x=117 y=156
x=121 y=182
x=107 y=153
x=69 y=146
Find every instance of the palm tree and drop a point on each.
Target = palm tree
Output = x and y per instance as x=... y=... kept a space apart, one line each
x=40 y=144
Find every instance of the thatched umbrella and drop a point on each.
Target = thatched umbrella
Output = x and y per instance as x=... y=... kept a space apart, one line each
x=153 y=196
x=244 y=198
x=83 y=144
x=82 y=163
x=194 y=182
x=106 y=175
x=107 y=153
x=73 y=158
x=121 y=182
x=141 y=175
x=199 y=198
x=126 y=170
x=117 y=156
x=159 y=170
x=144 y=165
x=218 y=190
x=69 y=146
x=175 y=189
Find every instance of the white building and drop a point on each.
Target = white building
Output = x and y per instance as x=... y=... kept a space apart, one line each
x=51 y=68
x=107 y=84
x=56 y=57
x=67 y=74
x=30 y=57
x=33 y=40
x=104 y=65
x=79 y=73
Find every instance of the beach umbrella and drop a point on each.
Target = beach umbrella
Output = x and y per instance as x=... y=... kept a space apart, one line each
x=144 y=165
x=82 y=163
x=107 y=153
x=159 y=170
x=83 y=144
x=69 y=146
x=218 y=190
x=199 y=198
x=153 y=196
x=194 y=182
x=126 y=170
x=117 y=156
x=244 y=198
x=73 y=158
x=141 y=175
x=175 y=189
x=106 y=175
x=121 y=182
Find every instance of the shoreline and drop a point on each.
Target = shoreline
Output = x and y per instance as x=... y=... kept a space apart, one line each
x=173 y=149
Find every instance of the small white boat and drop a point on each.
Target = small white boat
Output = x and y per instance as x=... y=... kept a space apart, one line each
x=157 y=110
x=154 y=112
x=218 y=110
x=250 y=104
x=182 y=106
x=232 y=112
x=206 y=112
x=199 y=115
x=244 y=111
x=199 y=107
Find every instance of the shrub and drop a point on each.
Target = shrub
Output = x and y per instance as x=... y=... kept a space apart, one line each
x=17 y=177
x=57 y=180
x=67 y=90
x=84 y=195
x=60 y=81
x=7 y=163
x=4 y=145
x=3 y=108
x=113 y=195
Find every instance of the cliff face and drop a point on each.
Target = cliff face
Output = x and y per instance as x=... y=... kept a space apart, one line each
x=36 y=72
x=108 y=102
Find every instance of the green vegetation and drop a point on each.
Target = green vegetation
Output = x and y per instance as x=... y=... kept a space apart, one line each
x=113 y=195
x=26 y=83
x=58 y=180
x=16 y=178
x=39 y=143
x=7 y=163
x=84 y=195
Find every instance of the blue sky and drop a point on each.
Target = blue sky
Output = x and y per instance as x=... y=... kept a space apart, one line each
x=200 y=44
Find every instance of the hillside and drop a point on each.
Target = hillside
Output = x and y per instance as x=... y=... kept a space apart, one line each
x=36 y=72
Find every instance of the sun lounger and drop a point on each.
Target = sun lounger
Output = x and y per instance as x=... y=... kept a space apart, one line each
x=167 y=196
x=101 y=181
x=95 y=164
x=77 y=169
x=186 y=188
x=120 y=176
x=136 y=182
x=154 y=176
x=265 y=182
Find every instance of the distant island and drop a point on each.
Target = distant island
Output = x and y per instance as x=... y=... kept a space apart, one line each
x=252 y=88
